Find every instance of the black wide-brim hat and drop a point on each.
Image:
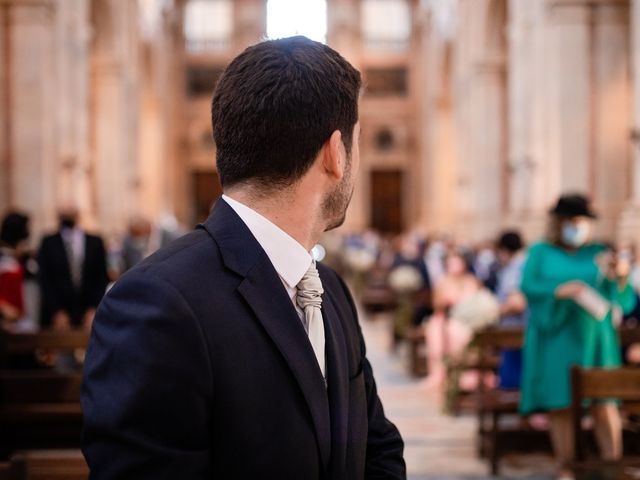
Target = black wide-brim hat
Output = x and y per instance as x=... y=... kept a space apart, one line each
x=573 y=205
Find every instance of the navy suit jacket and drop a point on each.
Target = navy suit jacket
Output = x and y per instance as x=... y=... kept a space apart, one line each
x=58 y=291
x=200 y=368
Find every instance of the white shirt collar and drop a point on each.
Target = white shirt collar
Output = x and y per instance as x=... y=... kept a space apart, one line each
x=289 y=258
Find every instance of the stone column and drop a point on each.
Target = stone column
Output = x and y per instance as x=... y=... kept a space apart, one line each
x=250 y=17
x=115 y=109
x=611 y=111
x=629 y=229
x=439 y=157
x=480 y=89
x=530 y=185
x=589 y=124
x=29 y=102
x=72 y=35
x=344 y=35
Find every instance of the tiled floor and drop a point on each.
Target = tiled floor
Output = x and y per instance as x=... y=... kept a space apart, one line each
x=437 y=446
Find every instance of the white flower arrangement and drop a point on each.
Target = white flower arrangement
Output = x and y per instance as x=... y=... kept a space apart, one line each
x=359 y=259
x=477 y=311
x=405 y=279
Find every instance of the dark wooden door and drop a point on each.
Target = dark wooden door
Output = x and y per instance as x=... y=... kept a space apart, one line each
x=206 y=189
x=386 y=201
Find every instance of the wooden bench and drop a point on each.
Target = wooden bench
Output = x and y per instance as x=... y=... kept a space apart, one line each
x=622 y=384
x=26 y=343
x=417 y=358
x=492 y=403
x=39 y=408
x=46 y=465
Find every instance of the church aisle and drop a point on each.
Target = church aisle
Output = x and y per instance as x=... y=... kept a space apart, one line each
x=437 y=446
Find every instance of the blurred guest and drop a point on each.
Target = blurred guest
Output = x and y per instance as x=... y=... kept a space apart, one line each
x=513 y=305
x=73 y=274
x=136 y=244
x=485 y=265
x=446 y=336
x=14 y=233
x=575 y=294
x=629 y=254
x=435 y=254
x=412 y=252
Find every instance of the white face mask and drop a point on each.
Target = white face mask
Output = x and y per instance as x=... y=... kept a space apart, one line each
x=576 y=234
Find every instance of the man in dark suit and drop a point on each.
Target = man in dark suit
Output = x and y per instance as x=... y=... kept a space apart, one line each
x=73 y=274
x=231 y=354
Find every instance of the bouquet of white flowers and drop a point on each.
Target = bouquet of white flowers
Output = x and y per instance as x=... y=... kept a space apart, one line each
x=478 y=310
x=405 y=279
x=359 y=259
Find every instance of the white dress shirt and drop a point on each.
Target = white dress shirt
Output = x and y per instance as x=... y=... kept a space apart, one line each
x=74 y=240
x=288 y=257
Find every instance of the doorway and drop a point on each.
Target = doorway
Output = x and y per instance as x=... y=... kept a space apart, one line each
x=206 y=190
x=386 y=201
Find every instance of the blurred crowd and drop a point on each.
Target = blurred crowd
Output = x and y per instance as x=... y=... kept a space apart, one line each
x=569 y=293
x=60 y=284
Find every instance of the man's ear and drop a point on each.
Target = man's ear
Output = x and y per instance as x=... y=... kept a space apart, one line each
x=334 y=155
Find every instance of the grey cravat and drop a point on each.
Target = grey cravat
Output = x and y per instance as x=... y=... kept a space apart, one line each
x=310 y=301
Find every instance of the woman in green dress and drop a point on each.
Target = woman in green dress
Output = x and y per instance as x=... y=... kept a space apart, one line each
x=562 y=279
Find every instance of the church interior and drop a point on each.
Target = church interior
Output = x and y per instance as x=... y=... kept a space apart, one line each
x=476 y=116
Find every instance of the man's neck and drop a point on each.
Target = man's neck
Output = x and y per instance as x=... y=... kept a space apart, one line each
x=294 y=214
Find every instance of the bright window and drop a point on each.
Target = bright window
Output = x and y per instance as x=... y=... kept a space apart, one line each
x=286 y=18
x=386 y=24
x=208 y=24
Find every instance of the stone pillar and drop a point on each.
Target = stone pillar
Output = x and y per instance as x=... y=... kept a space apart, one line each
x=72 y=35
x=629 y=229
x=440 y=179
x=344 y=35
x=522 y=99
x=250 y=17
x=115 y=109
x=531 y=187
x=163 y=169
x=589 y=125
x=480 y=95
x=611 y=112
x=28 y=63
x=571 y=126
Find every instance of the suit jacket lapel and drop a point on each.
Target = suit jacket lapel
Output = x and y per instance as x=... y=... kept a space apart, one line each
x=338 y=379
x=263 y=291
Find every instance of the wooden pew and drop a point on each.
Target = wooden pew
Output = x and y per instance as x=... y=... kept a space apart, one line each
x=26 y=343
x=5 y=471
x=39 y=408
x=49 y=465
x=622 y=384
x=492 y=403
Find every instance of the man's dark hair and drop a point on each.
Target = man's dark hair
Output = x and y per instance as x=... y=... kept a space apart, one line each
x=274 y=107
x=510 y=241
x=14 y=229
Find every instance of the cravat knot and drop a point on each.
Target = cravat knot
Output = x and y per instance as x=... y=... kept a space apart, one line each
x=310 y=289
x=309 y=299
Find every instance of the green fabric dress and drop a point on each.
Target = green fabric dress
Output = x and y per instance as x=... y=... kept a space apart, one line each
x=560 y=333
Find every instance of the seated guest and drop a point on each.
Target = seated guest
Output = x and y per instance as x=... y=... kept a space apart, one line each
x=445 y=335
x=73 y=274
x=575 y=294
x=513 y=305
x=14 y=234
x=412 y=252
